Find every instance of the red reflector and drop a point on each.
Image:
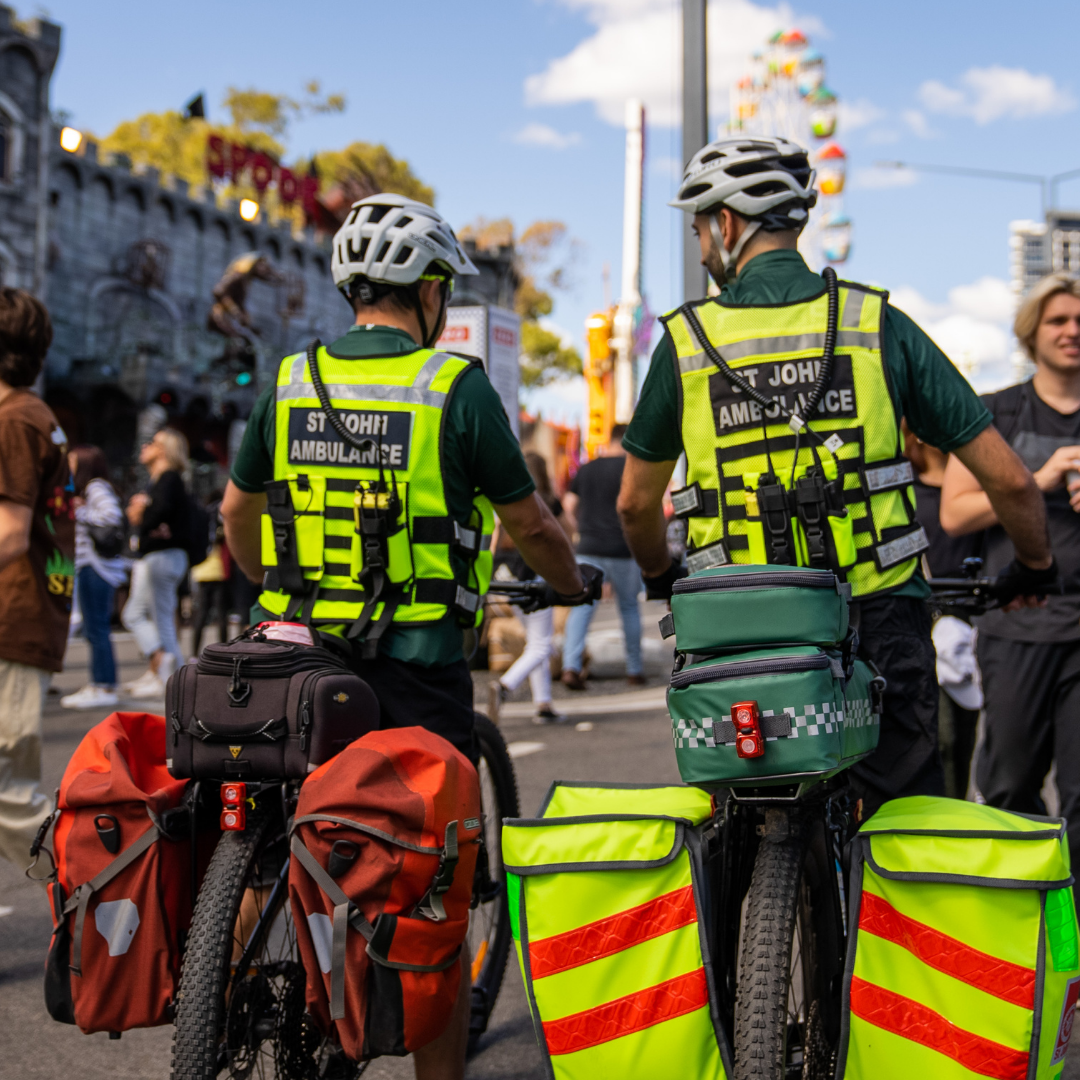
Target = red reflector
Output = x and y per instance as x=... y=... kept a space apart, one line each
x=233 y=795
x=233 y=819
x=749 y=742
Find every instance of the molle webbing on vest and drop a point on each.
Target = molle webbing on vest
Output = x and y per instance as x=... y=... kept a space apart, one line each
x=377 y=544
x=731 y=440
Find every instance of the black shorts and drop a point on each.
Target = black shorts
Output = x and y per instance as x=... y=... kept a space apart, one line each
x=437 y=698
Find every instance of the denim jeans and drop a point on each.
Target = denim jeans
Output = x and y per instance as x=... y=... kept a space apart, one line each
x=95 y=603
x=150 y=613
x=535 y=662
x=626 y=580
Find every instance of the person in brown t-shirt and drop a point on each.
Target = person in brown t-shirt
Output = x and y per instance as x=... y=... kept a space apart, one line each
x=37 y=568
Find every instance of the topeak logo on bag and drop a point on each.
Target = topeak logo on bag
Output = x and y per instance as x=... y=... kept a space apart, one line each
x=235 y=751
x=341 y=698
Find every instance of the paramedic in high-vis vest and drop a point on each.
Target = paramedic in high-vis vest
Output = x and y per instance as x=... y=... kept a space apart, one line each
x=846 y=503
x=363 y=494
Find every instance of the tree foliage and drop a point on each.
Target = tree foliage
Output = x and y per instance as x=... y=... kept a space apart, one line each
x=544 y=255
x=260 y=120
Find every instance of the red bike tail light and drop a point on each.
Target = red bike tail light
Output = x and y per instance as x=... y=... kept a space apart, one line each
x=233 y=819
x=749 y=742
x=233 y=795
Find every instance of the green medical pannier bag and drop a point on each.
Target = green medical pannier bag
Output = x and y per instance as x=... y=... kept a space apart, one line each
x=746 y=606
x=963 y=957
x=606 y=890
x=814 y=719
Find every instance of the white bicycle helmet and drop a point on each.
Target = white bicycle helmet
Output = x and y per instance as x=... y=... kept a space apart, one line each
x=765 y=179
x=391 y=240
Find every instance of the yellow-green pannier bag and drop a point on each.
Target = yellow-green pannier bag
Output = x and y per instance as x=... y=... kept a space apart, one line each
x=607 y=905
x=963 y=948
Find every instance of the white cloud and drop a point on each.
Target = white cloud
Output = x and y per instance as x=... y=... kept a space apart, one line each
x=873 y=178
x=986 y=94
x=918 y=124
x=542 y=135
x=636 y=49
x=972 y=328
x=857 y=114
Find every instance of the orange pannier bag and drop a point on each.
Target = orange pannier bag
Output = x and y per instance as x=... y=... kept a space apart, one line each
x=384 y=847
x=121 y=892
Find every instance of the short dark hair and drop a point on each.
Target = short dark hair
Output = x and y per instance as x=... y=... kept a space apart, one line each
x=25 y=336
x=90 y=464
x=618 y=431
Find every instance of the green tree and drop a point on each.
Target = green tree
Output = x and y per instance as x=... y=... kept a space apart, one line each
x=363 y=169
x=543 y=255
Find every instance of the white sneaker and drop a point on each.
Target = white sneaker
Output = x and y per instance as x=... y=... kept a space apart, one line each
x=147 y=688
x=147 y=678
x=90 y=696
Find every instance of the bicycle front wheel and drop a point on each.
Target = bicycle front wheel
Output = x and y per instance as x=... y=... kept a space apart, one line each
x=787 y=1002
x=240 y=1009
x=489 y=924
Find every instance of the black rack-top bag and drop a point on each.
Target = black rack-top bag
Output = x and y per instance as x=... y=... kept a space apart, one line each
x=264 y=707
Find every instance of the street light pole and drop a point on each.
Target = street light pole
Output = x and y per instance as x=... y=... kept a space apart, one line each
x=695 y=130
x=1047 y=184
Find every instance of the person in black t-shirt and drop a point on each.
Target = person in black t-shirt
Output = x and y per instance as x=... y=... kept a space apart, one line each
x=590 y=504
x=160 y=515
x=1030 y=658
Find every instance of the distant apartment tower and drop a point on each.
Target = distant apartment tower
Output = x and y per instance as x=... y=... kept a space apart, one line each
x=1037 y=249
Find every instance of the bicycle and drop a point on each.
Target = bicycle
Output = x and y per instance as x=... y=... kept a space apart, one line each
x=240 y=1008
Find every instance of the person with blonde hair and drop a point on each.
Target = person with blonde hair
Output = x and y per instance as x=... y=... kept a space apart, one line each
x=1030 y=658
x=162 y=517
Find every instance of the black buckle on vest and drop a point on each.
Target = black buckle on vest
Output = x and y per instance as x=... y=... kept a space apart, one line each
x=772 y=498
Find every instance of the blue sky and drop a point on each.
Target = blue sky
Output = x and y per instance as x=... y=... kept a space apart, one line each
x=513 y=108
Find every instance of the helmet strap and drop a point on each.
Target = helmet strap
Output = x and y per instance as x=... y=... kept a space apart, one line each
x=730 y=259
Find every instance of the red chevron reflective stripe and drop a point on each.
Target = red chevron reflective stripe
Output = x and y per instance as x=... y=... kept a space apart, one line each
x=919 y=1023
x=605 y=937
x=635 y=1012
x=1004 y=980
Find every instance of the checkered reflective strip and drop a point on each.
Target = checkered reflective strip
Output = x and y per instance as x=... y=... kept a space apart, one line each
x=824 y=719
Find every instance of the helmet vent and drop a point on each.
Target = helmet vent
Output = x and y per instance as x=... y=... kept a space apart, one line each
x=714 y=156
x=403 y=255
x=403 y=222
x=377 y=214
x=353 y=254
x=694 y=190
x=382 y=251
x=748 y=168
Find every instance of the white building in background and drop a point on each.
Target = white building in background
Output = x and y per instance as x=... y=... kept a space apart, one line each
x=1037 y=249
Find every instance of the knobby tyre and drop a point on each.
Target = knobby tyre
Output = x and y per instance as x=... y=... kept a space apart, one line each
x=490 y=936
x=787 y=1004
x=249 y=1023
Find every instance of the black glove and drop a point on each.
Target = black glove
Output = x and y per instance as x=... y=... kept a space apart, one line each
x=593 y=577
x=1020 y=580
x=659 y=587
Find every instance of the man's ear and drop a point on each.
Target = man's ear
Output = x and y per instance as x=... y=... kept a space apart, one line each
x=729 y=228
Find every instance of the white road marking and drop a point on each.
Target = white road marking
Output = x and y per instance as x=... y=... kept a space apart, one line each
x=523 y=749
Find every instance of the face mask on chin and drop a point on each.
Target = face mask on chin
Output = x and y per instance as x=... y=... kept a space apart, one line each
x=722 y=264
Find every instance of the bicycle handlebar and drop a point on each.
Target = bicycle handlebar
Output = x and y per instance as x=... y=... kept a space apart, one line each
x=971 y=595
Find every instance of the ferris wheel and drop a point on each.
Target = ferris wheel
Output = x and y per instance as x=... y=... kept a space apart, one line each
x=785 y=94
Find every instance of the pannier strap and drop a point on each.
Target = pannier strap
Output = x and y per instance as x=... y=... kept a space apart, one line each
x=379 y=937
x=431 y=906
x=80 y=898
x=359 y=826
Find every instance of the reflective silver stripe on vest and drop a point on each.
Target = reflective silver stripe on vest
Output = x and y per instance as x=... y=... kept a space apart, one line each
x=707 y=557
x=467 y=600
x=408 y=395
x=416 y=394
x=738 y=350
x=852 y=311
x=887 y=477
x=902 y=548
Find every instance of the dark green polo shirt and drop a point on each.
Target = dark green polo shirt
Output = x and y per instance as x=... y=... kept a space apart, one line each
x=938 y=402
x=480 y=454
